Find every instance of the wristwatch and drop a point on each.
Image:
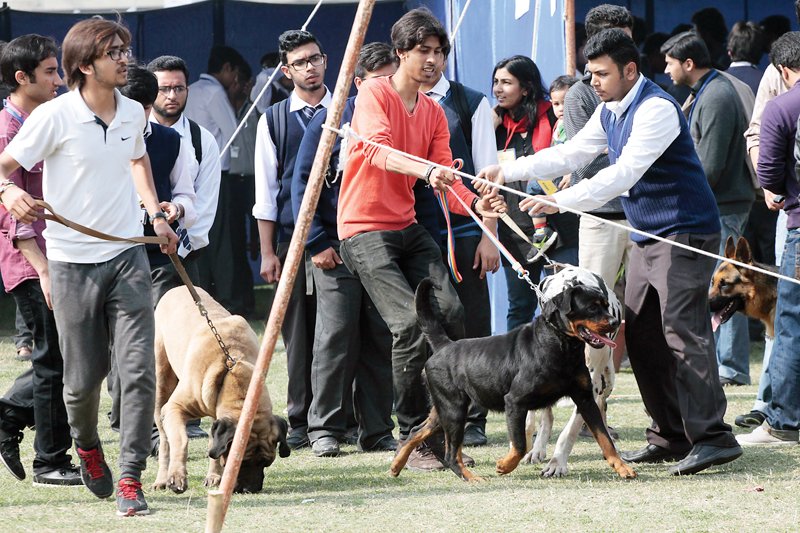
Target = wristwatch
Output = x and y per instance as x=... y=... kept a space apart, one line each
x=159 y=214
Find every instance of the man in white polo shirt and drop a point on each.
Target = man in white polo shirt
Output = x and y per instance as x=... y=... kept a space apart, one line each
x=95 y=163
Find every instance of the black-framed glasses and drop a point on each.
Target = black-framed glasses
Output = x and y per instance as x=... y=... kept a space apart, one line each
x=177 y=89
x=302 y=64
x=118 y=53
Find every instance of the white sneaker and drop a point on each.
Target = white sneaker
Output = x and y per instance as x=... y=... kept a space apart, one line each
x=765 y=435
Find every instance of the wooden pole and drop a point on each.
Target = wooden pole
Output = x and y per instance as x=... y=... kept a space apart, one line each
x=289 y=273
x=569 y=32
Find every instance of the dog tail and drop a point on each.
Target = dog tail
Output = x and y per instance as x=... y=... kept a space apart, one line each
x=426 y=316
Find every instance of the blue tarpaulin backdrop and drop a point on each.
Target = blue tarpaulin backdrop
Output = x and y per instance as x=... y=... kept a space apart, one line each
x=491 y=30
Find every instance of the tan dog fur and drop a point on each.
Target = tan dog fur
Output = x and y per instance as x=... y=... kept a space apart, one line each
x=192 y=381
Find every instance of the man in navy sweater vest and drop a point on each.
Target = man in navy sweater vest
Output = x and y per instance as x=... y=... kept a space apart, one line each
x=664 y=192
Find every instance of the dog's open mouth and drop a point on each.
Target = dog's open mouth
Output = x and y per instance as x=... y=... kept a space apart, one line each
x=723 y=315
x=594 y=339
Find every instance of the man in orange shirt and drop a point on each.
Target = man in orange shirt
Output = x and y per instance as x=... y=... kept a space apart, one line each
x=381 y=241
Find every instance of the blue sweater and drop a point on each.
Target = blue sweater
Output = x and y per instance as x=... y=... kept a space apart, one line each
x=322 y=234
x=673 y=195
x=294 y=134
x=163 y=147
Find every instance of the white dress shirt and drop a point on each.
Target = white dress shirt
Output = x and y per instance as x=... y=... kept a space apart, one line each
x=180 y=181
x=655 y=126
x=266 y=167
x=208 y=105
x=206 y=179
x=484 y=146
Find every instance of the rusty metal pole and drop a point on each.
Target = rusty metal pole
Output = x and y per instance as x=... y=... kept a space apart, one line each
x=295 y=255
x=569 y=33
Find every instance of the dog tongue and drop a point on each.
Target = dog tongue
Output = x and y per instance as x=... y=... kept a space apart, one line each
x=716 y=321
x=605 y=340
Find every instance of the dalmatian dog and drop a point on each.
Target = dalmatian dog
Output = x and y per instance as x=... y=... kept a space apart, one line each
x=601 y=369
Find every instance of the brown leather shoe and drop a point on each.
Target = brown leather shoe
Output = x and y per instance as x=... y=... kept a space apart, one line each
x=423 y=459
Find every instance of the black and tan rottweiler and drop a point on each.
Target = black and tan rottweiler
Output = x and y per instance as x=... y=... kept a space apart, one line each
x=734 y=288
x=531 y=367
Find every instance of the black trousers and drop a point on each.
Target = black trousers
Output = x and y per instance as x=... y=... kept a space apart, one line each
x=298 y=339
x=224 y=269
x=670 y=343
x=473 y=292
x=352 y=361
x=36 y=397
x=390 y=265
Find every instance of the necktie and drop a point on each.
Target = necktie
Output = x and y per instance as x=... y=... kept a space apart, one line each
x=309 y=112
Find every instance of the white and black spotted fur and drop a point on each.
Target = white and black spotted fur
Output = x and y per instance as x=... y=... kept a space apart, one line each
x=602 y=372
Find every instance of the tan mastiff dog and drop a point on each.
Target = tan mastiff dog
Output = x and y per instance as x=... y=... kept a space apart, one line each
x=192 y=381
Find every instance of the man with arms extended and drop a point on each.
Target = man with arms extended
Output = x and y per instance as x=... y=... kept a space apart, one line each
x=381 y=241
x=656 y=169
x=29 y=67
x=472 y=139
x=92 y=144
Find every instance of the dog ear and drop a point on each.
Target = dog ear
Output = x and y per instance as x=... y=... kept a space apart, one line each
x=222 y=432
x=730 y=248
x=743 y=253
x=556 y=309
x=283 y=430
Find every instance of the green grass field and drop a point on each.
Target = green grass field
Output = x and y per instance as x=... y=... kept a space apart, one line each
x=354 y=492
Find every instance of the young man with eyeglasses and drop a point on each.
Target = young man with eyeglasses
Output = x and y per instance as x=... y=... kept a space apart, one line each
x=29 y=67
x=91 y=141
x=351 y=368
x=280 y=131
x=168 y=110
x=209 y=106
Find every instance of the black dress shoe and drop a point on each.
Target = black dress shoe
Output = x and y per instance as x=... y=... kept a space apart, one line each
x=384 y=444
x=703 y=456
x=297 y=439
x=475 y=436
x=325 y=447
x=753 y=419
x=194 y=431
x=61 y=477
x=651 y=454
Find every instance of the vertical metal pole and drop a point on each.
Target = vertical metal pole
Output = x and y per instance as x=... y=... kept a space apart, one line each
x=296 y=248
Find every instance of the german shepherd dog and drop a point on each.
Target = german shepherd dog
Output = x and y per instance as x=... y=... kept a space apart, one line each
x=735 y=288
x=530 y=367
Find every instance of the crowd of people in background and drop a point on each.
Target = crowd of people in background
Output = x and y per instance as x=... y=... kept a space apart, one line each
x=683 y=135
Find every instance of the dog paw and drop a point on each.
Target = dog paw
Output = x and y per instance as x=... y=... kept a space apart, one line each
x=159 y=484
x=212 y=480
x=505 y=466
x=177 y=482
x=625 y=471
x=554 y=469
x=535 y=456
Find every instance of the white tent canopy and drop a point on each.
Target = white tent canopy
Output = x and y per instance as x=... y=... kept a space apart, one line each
x=72 y=6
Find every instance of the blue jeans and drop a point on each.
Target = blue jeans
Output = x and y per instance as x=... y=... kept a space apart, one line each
x=732 y=338
x=783 y=409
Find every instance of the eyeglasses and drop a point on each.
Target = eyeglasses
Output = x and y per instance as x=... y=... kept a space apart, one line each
x=302 y=64
x=118 y=53
x=178 y=90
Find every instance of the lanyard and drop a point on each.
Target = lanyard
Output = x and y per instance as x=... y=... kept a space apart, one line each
x=13 y=112
x=699 y=92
